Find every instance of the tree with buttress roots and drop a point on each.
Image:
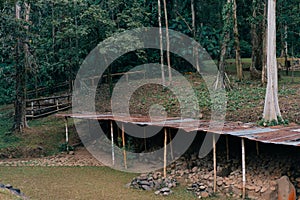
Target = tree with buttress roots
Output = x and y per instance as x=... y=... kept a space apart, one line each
x=271 y=109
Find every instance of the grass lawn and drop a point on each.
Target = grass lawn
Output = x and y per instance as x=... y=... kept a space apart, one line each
x=78 y=183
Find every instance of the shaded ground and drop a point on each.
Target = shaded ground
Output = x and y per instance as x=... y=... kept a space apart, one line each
x=244 y=103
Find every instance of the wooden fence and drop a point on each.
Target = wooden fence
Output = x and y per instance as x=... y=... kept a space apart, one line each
x=91 y=81
x=44 y=106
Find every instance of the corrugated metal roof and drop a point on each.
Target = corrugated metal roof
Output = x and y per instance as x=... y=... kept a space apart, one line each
x=284 y=135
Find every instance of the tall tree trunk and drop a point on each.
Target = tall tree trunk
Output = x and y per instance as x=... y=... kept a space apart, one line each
x=26 y=47
x=161 y=44
x=238 y=62
x=53 y=29
x=193 y=18
x=285 y=44
x=271 y=108
x=222 y=77
x=71 y=78
x=195 y=48
x=265 y=43
x=168 y=42
x=20 y=99
x=256 y=52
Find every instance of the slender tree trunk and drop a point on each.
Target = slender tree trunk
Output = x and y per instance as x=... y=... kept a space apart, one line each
x=281 y=28
x=265 y=44
x=193 y=18
x=238 y=62
x=71 y=78
x=256 y=52
x=285 y=44
x=253 y=38
x=168 y=42
x=161 y=45
x=53 y=28
x=20 y=99
x=27 y=62
x=195 y=48
x=222 y=77
x=271 y=109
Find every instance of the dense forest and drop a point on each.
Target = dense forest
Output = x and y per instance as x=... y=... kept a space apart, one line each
x=43 y=42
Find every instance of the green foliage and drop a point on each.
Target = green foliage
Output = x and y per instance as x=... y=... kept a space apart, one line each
x=274 y=122
x=6 y=121
x=210 y=40
x=65 y=147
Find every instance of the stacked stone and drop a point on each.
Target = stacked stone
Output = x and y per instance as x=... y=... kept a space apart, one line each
x=297 y=183
x=262 y=174
x=200 y=189
x=154 y=181
x=13 y=190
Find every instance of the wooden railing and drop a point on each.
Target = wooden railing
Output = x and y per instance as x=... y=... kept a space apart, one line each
x=91 y=80
x=42 y=91
x=44 y=106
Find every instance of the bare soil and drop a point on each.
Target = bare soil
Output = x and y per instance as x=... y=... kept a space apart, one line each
x=245 y=102
x=80 y=157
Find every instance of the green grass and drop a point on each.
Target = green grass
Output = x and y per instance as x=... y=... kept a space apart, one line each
x=78 y=183
x=47 y=133
x=6 y=122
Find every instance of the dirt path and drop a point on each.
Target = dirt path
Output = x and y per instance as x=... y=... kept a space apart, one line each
x=81 y=157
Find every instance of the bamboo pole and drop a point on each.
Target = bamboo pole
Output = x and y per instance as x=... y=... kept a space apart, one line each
x=227 y=148
x=215 y=163
x=161 y=44
x=168 y=41
x=257 y=148
x=243 y=169
x=118 y=131
x=67 y=134
x=171 y=145
x=32 y=111
x=57 y=104
x=165 y=153
x=89 y=125
x=112 y=142
x=145 y=141
x=124 y=150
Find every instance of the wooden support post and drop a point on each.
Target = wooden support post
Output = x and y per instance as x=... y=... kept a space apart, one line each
x=112 y=142
x=215 y=163
x=89 y=124
x=171 y=145
x=165 y=153
x=67 y=134
x=119 y=135
x=227 y=148
x=257 y=148
x=243 y=169
x=145 y=141
x=124 y=147
x=32 y=112
x=56 y=102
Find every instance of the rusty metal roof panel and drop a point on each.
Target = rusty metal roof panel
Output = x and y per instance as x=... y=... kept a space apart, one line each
x=285 y=135
x=251 y=132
